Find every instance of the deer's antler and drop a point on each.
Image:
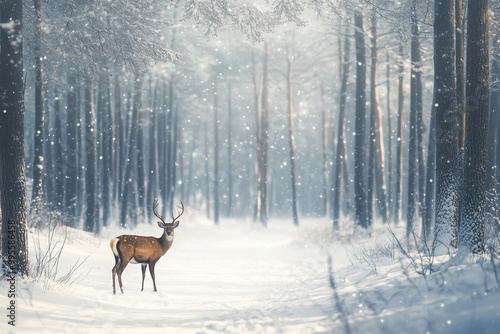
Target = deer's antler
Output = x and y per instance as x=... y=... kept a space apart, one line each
x=179 y=214
x=155 y=206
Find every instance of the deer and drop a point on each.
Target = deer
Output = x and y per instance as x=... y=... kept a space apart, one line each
x=144 y=250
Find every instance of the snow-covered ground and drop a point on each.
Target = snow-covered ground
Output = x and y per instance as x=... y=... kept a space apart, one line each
x=241 y=278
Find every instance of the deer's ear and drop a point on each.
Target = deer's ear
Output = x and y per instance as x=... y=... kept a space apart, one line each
x=176 y=224
x=160 y=224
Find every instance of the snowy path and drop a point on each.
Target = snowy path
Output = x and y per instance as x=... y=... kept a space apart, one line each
x=241 y=278
x=234 y=278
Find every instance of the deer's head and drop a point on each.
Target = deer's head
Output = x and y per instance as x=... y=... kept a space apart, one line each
x=168 y=227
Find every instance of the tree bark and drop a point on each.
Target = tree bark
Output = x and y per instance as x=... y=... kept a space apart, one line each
x=107 y=155
x=325 y=172
x=471 y=237
x=140 y=179
x=48 y=170
x=229 y=155
x=360 y=111
x=399 y=139
x=37 y=189
x=15 y=259
x=460 y=68
x=389 y=141
x=90 y=218
x=341 y=157
x=257 y=101
x=447 y=118
x=152 y=161
x=58 y=155
x=176 y=138
x=493 y=132
x=377 y=152
x=430 y=178
x=71 y=161
x=415 y=110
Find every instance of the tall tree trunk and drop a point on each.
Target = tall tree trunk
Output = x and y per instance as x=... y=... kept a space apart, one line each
x=291 y=138
x=141 y=190
x=176 y=138
x=380 y=177
x=131 y=147
x=399 y=141
x=15 y=260
x=460 y=68
x=107 y=156
x=370 y=182
x=493 y=132
x=49 y=170
x=377 y=159
x=58 y=154
x=325 y=173
x=447 y=190
x=119 y=142
x=415 y=109
x=389 y=141
x=257 y=101
x=216 y=156
x=90 y=219
x=162 y=145
x=71 y=163
x=152 y=161
x=207 y=170
x=229 y=156
x=337 y=174
x=430 y=178
x=190 y=171
x=360 y=138
x=168 y=146
x=37 y=190
x=264 y=150
x=471 y=237
x=80 y=146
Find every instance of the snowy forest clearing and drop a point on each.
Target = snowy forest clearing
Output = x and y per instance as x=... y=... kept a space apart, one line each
x=241 y=278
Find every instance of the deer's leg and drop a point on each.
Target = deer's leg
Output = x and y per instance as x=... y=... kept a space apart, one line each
x=113 y=272
x=143 y=274
x=121 y=268
x=152 y=272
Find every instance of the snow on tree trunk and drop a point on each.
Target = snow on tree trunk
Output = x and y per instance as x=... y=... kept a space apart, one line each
x=447 y=118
